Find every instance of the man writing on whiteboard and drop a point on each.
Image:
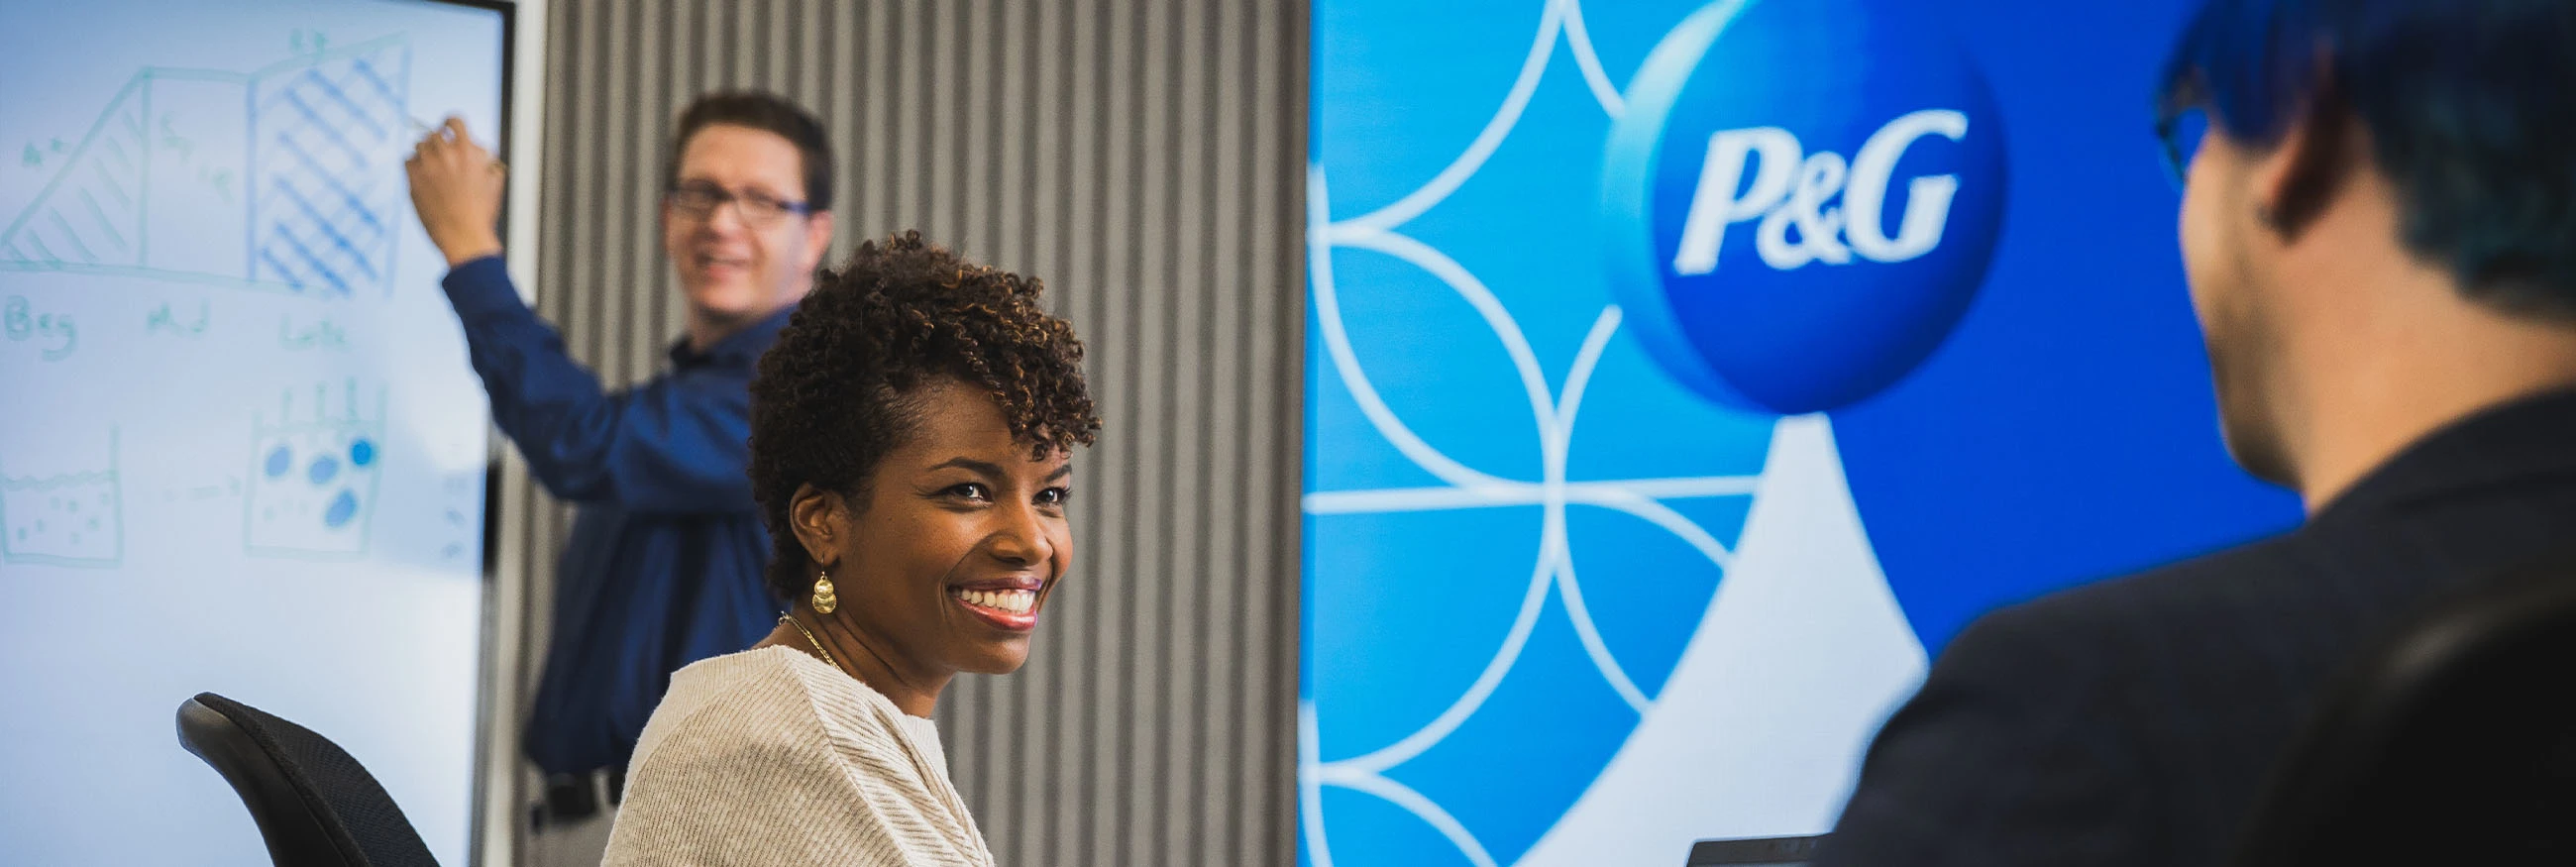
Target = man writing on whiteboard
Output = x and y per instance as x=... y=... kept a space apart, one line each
x=664 y=564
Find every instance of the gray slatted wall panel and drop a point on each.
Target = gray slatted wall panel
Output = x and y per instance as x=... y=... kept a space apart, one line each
x=1145 y=157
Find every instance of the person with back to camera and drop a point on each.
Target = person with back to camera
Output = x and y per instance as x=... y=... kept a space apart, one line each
x=911 y=438
x=2379 y=231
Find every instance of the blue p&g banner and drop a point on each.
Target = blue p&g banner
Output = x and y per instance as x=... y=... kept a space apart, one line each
x=1682 y=375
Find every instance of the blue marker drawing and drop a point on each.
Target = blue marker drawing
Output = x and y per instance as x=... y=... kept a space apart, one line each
x=343 y=508
x=324 y=469
x=323 y=512
x=86 y=511
x=323 y=190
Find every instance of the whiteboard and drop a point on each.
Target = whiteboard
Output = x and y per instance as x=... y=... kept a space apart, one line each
x=241 y=449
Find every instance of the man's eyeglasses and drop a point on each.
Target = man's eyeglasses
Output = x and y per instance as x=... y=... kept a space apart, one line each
x=699 y=200
x=2182 y=120
x=2181 y=133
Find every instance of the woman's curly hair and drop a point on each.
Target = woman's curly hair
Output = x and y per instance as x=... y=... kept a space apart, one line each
x=841 y=387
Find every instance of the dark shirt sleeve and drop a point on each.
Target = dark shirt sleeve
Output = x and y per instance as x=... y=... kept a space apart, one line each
x=679 y=443
x=2014 y=754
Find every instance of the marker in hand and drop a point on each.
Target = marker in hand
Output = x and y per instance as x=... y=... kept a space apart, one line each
x=456 y=187
x=425 y=128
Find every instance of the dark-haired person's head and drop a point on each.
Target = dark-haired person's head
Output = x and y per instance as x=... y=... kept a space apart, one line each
x=910 y=439
x=746 y=208
x=2382 y=211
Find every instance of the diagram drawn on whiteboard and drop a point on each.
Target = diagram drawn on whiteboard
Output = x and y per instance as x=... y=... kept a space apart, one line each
x=69 y=518
x=307 y=152
x=313 y=476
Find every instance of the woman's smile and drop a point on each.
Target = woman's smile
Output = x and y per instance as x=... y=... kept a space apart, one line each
x=1008 y=604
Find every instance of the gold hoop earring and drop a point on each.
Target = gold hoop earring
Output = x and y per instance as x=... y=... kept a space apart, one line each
x=824 y=601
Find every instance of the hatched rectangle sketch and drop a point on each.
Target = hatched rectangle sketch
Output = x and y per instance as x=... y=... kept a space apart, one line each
x=91 y=213
x=307 y=152
x=73 y=518
x=325 y=158
x=313 y=477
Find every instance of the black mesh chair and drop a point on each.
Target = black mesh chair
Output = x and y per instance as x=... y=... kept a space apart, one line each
x=316 y=806
x=2452 y=743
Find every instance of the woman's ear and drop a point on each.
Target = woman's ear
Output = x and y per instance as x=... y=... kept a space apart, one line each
x=820 y=519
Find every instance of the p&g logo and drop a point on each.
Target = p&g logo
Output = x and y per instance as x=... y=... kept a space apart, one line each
x=1792 y=189
x=1759 y=264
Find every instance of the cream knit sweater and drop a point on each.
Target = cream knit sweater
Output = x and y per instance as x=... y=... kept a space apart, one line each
x=769 y=756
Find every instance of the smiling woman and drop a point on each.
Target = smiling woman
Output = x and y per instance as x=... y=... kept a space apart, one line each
x=911 y=440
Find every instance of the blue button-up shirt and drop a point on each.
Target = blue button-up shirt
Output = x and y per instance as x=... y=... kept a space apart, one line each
x=664 y=564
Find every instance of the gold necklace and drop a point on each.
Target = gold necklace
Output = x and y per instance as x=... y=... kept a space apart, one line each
x=818 y=644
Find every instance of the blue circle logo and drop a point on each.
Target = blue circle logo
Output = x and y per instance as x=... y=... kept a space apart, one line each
x=1802 y=199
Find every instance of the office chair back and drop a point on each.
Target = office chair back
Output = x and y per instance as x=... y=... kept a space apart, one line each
x=2452 y=743
x=315 y=805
